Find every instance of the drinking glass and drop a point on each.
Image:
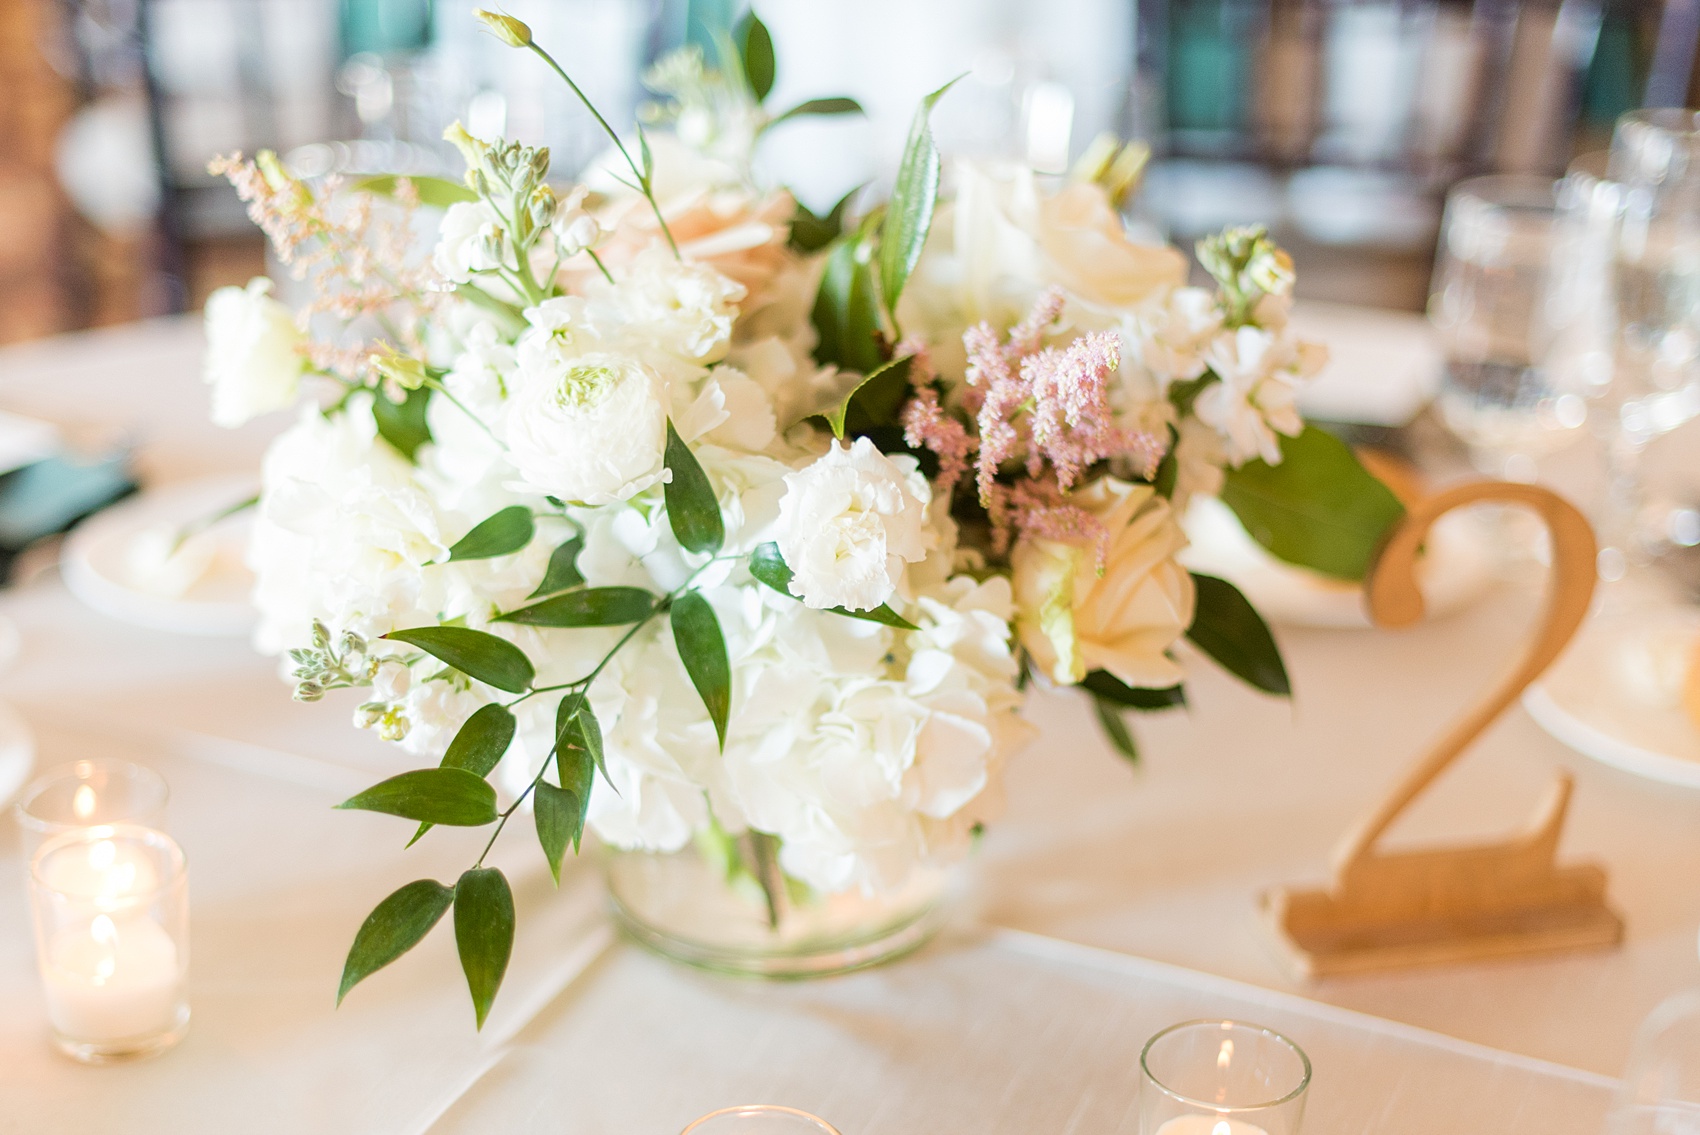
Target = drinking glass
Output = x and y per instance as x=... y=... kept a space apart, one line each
x=111 y=910
x=100 y=790
x=760 y=1119
x=1660 y=1092
x=1655 y=283
x=1222 y=1078
x=1489 y=303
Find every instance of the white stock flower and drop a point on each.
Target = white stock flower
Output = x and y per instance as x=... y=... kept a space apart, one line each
x=1074 y=618
x=588 y=428
x=1257 y=398
x=470 y=239
x=1170 y=336
x=849 y=522
x=253 y=360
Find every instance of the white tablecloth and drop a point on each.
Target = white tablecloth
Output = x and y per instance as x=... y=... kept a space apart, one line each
x=1164 y=861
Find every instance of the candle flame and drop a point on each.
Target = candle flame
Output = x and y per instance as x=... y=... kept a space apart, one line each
x=103 y=930
x=1221 y=1128
x=83 y=802
x=104 y=933
x=1226 y=1056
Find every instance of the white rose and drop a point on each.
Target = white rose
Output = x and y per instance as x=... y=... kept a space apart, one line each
x=591 y=429
x=1074 y=619
x=253 y=360
x=470 y=239
x=849 y=522
x=1261 y=372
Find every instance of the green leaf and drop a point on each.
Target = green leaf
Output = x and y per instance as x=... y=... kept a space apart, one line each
x=692 y=508
x=403 y=424
x=874 y=402
x=575 y=768
x=702 y=648
x=482 y=741
x=810 y=233
x=437 y=192
x=1107 y=686
x=478 y=747
x=1319 y=508
x=846 y=313
x=755 y=49
x=394 y=927
x=1110 y=717
x=484 y=933
x=769 y=567
x=593 y=607
x=586 y=734
x=451 y=796
x=836 y=105
x=563 y=569
x=559 y=822
x=909 y=215
x=502 y=534
x=1228 y=628
x=477 y=654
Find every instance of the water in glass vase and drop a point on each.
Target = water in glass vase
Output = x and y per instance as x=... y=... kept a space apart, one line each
x=707 y=906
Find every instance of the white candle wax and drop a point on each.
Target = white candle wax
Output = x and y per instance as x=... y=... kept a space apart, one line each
x=113 y=980
x=1209 y=1125
x=109 y=871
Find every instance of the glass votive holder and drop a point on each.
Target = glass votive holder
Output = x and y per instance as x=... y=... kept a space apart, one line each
x=1221 y=1078
x=760 y=1119
x=90 y=793
x=111 y=909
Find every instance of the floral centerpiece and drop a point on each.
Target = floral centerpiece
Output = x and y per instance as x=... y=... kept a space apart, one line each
x=663 y=507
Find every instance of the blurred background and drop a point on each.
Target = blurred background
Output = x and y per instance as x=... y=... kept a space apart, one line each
x=1339 y=123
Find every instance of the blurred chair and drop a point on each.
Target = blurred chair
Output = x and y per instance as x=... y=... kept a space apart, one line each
x=1340 y=123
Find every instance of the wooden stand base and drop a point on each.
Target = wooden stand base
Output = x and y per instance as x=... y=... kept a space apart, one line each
x=1391 y=909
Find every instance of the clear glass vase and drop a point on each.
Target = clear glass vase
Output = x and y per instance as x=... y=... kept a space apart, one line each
x=707 y=907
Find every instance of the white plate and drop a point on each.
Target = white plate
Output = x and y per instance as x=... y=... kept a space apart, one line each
x=1457 y=568
x=17 y=753
x=1587 y=701
x=115 y=561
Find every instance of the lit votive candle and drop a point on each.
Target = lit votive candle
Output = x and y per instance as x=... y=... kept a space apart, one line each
x=1222 y=1078
x=111 y=920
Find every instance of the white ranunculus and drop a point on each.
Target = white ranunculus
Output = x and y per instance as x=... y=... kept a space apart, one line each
x=683 y=308
x=1074 y=619
x=253 y=360
x=589 y=428
x=849 y=522
x=1257 y=398
x=470 y=239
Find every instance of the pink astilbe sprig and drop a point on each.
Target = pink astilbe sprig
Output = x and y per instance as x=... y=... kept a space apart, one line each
x=1041 y=508
x=1047 y=406
x=359 y=264
x=925 y=423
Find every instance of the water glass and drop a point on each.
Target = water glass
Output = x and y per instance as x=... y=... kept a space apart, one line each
x=1489 y=304
x=1222 y=1078
x=760 y=1119
x=111 y=911
x=1660 y=1092
x=88 y=793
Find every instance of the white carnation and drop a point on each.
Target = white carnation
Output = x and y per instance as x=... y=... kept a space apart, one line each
x=253 y=360
x=849 y=522
x=588 y=428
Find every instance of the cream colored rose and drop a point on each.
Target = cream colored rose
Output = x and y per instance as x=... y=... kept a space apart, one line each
x=1012 y=239
x=1073 y=620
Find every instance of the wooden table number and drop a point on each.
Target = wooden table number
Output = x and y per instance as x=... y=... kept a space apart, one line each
x=1385 y=909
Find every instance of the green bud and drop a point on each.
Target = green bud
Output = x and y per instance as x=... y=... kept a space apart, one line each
x=309 y=691
x=408 y=373
x=321 y=635
x=510 y=31
x=472 y=150
x=541 y=207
